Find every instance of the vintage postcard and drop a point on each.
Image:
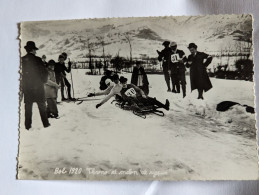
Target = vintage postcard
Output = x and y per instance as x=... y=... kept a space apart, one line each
x=151 y=98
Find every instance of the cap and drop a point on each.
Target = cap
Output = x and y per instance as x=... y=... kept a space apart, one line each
x=173 y=44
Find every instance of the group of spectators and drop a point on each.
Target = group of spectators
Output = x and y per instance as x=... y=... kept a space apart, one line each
x=40 y=83
x=175 y=62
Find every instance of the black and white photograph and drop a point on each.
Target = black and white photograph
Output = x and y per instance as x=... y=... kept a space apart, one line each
x=139 y=98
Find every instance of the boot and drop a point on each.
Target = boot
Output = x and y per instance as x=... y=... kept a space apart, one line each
x=167 y=104
x=178 y=88
x=200 y=96
x=184 y=90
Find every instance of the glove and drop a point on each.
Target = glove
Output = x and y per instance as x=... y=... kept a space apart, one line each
x=98 y=105
x=69 y=63
x=91 y=95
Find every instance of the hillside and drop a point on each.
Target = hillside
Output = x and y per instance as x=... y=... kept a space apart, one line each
x=210 y=33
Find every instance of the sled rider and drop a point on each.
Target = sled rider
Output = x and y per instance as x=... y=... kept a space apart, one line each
x=134 y=95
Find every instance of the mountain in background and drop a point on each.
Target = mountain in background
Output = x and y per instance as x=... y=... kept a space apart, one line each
x=211 y=33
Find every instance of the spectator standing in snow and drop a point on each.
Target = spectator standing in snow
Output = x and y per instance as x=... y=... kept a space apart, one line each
x=198 y=62
x=34 y=76
x=178 y=59
x=165 y=57
x=60 y=70
x=51 y=88
x=139 y=78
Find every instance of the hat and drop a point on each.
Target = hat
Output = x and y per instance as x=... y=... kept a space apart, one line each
x=192 y=45
x=166 y=43
x=51 y=62
x=123 y=79
x=108 y=81
x=61 y=56
x=30 y=45
x=138 y=62
x=173 y=44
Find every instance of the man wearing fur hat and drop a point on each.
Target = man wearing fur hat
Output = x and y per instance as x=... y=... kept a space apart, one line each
x=34 y=76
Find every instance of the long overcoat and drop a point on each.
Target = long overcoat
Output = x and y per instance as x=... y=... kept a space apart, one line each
x=135 y=76
x=198 y=74
x=34 y=75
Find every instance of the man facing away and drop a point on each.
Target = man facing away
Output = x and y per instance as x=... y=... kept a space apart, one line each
x=34 y=76
x=198 y=62
x=60 y=71
x=165 y=57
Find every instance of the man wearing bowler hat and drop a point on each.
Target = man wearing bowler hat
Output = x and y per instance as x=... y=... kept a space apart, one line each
x=34 y=76
x=165 y=57
x=198 y=62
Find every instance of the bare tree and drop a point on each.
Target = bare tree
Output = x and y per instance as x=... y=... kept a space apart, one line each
x=128 y=38
x=101 y=41
x=90 y=47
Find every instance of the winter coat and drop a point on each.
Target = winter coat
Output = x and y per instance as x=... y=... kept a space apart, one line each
x=61 y=69
x=176 y=67
x=198 y=74
x=140 y=73
x=51 y=86
x=34 y=75
x=165 y=57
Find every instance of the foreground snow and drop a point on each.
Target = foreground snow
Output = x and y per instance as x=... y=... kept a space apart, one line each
x=193 y=140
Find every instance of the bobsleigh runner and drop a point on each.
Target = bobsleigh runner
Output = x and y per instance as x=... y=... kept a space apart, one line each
x=138 y=108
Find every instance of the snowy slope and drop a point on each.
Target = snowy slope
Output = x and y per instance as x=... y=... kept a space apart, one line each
x=192 y=141
x=210 y=33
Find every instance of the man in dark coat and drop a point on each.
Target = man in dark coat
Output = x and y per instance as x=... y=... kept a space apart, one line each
x=177 y=69
x=139 y=78
x=34 y=76
x=198 y=74
x=60 y=71
x=165 y=57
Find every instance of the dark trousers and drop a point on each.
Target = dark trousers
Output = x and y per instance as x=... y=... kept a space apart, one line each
x=167 y=77
x=175 y=82
x=64 y=82
x=52 y=106
x=146 y=102
x=145 y=88
x=42 y=110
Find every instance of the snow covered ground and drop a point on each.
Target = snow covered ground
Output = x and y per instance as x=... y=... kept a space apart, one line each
x=193 y=140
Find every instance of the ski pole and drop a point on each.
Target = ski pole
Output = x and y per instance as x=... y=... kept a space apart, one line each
x=72 y=80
